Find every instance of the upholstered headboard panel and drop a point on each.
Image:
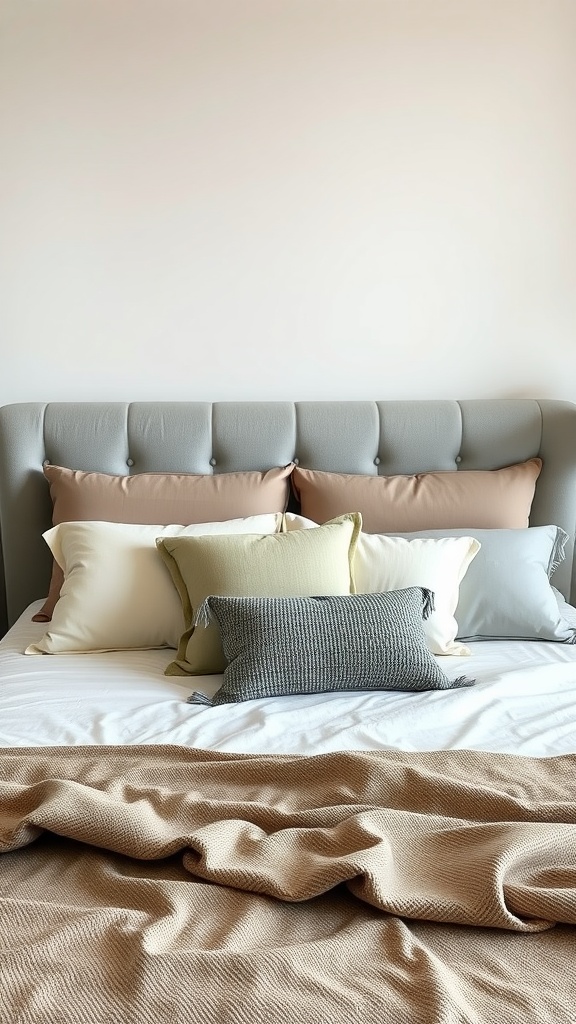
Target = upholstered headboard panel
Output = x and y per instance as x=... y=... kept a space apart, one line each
x=379 y=437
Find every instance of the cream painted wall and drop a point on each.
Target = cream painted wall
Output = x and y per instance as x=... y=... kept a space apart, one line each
x=238 y=199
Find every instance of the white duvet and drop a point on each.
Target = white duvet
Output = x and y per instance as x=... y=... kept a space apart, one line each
x=524 y=701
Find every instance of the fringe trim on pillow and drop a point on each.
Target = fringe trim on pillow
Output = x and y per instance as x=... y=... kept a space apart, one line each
x=558 y=554
x=462 y=681
x=200 y=698
x=427 y=602
x=204 y=614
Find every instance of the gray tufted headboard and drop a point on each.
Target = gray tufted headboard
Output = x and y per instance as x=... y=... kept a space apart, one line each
x=201 y=437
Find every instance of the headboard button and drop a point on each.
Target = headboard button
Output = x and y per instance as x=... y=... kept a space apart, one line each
x=458 y=458
x=377 y=461
x=212 y=461
x=296 y=461
x=129 y=462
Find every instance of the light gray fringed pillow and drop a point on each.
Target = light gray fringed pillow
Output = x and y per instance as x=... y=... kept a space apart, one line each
x=506 y=592
x=277 y=646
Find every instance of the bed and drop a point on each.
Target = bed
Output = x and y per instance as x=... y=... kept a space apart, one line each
x=354 y=852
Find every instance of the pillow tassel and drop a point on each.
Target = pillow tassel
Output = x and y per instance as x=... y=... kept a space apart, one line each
x=204 y=614
x=463 y=681
x=427 y=602
x=558 y=554
x=200 y=698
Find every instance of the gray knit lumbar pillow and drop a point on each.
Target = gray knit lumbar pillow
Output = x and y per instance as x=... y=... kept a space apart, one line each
x=278 y=646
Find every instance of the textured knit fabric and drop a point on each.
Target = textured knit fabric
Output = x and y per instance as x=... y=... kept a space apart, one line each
x=160 y=885
x=277 y=646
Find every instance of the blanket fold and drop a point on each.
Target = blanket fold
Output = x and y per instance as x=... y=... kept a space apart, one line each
x=205 y=848
x=250 y=829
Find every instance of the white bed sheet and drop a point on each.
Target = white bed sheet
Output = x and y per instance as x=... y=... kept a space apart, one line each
x=524 y=702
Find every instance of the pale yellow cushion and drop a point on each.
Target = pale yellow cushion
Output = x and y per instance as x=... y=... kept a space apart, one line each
x=117 y=593
x=499 y=498
x=383 y=563
x=302 y=563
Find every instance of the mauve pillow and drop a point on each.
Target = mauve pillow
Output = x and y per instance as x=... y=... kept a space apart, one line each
x=481 y=499
x=150 y=499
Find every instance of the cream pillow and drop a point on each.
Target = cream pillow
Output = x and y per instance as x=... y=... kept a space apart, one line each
x=117 y=593
x=301 y=563
x=383 y=563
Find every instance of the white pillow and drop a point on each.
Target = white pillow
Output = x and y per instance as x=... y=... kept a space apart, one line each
x=117 y=592
x=383 y=563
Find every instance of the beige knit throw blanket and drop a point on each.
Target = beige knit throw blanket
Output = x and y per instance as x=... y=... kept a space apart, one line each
x=161 y=884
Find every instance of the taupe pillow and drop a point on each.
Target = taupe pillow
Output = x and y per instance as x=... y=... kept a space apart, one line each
x=149 y=499
x=297 y=564
x=499 y=498
x=285 y=645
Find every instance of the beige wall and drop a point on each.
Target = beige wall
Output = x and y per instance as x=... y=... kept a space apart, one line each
x=216 y=199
